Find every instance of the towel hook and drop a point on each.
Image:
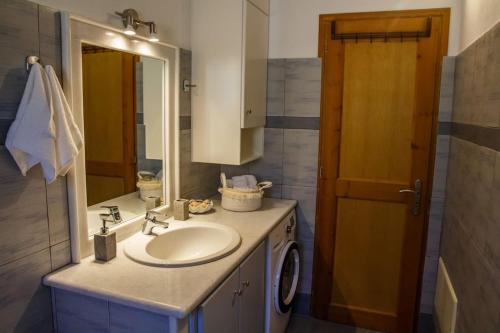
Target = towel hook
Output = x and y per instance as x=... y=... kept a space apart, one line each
x=31 y=60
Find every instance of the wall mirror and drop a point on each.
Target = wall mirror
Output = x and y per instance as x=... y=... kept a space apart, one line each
x=124 y=94
x=123 y=105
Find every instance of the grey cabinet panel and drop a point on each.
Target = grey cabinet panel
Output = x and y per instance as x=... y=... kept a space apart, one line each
x=23 y=211
x=252 y=300
x=219 y=313
x=238 y=304
x=125 y=319
x=25 y=304
x=79 y=313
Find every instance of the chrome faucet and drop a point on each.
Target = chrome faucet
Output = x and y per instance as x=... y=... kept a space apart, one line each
x=150 y=222
x=114 y=213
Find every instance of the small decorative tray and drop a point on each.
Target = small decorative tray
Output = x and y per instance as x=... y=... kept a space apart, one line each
x=200 y=206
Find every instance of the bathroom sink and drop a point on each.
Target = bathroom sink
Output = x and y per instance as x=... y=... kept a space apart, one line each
x=183 y=244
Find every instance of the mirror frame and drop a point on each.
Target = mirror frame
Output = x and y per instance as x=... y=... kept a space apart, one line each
x=76 y=30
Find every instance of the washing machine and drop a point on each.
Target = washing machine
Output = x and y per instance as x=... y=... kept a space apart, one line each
x=282 y=274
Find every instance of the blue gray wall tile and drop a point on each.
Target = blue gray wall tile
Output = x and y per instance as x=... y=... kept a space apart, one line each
x=60 y=254
x=276 y=87
x=25 y=304
x=270 y=166
x=446 y=89
x=302 y=87
x=300 y=157
x=469 y=242
x=34 y=230
x=23 y=211
x=58 y=211
x=19 y=38
x=197 y=180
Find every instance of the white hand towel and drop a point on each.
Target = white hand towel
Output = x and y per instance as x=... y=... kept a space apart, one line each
x=245 y=181
x=68 y=138
x=30 y=138
x=251 y=181
x=239 y=182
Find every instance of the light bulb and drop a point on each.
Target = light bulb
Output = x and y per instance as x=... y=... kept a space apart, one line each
x=129 y=30
x=153 y=37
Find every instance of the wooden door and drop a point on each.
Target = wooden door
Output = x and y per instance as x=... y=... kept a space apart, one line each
x=252 y=285
x=378 y=119
x=109 y=117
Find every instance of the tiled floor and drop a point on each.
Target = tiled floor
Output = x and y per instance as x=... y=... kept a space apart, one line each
x=306 y=324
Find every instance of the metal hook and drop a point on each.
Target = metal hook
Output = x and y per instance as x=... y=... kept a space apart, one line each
x=31 y=60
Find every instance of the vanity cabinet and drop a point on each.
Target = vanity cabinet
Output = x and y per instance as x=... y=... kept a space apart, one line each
x=238 y=304
x=229 y=41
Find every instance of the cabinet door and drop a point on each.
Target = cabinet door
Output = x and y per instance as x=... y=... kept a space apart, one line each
x=262 y=5
x=255 y=82
x=252 y=284
x=219 y=313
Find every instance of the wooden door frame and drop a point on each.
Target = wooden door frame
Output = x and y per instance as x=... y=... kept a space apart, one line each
x=324 y=239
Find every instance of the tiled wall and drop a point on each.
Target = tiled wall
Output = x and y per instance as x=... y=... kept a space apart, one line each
x=34 y=232
x=438 y=187
x=291 y=147
x=470 y=242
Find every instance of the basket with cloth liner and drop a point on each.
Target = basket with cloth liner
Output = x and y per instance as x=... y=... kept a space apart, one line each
x=242 y=199
x=149 y=185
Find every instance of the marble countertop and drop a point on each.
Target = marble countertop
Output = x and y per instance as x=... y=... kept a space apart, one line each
x=170 y=291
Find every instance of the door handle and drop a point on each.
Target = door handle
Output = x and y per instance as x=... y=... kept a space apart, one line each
x=417 y=196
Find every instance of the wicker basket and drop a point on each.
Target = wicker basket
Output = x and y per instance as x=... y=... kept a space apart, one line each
x=243 y=200
x=148 y=185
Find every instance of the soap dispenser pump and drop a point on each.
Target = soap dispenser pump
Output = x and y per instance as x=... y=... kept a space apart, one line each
x=105 y=242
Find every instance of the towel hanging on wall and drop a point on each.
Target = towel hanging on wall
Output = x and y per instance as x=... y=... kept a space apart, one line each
x=68 y=139
x=30 y=138
x=44 y=130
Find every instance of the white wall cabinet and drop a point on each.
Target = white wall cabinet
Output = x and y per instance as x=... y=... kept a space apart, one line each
x=238 y=304
x=229 y=41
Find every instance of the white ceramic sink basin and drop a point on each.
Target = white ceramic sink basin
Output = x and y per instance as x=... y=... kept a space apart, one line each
x=183 y=244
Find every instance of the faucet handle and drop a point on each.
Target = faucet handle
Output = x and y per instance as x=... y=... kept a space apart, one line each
x=105 y=218
x=151 y=215
x=114 y=212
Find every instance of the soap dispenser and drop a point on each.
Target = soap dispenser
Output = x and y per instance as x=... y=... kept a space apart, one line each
x=105 y=242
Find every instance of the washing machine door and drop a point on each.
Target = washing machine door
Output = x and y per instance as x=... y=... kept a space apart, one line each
x=287 y=277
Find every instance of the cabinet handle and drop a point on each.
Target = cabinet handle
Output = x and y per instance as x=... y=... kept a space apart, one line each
x=236 y=292
x=245 y=284
x=249 y=111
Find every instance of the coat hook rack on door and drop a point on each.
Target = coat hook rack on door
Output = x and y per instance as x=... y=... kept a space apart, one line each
x=382 y=35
